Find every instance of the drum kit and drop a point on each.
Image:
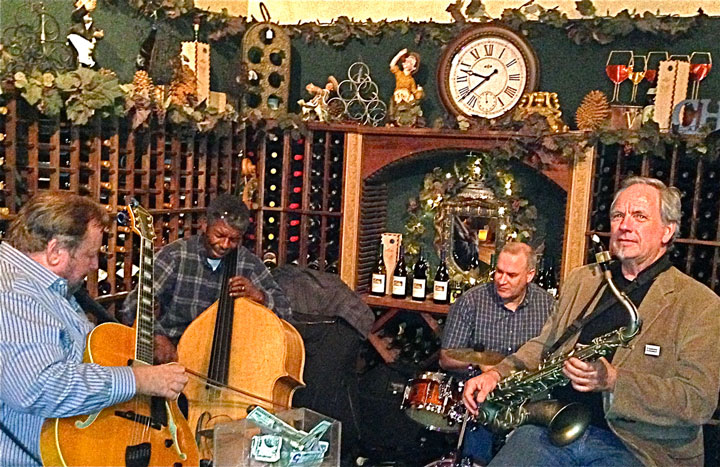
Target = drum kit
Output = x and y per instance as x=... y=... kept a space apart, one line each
x=434 y=399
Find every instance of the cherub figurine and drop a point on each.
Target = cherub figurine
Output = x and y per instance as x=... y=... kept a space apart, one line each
x=83 y=34
x=404 y=107
x=317 y=106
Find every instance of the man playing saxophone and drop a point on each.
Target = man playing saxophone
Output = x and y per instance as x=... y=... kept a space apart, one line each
x=648 y=400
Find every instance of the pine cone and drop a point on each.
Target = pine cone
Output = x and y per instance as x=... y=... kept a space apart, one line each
x=143 y=83
x=593 y=111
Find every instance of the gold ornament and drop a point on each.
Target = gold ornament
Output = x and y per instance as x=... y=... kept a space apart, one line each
x=143 y=84
x=546 y=104
x=593 y=111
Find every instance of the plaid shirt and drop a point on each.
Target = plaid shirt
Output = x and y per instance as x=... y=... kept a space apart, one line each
x=479 y=317
x=186 y=285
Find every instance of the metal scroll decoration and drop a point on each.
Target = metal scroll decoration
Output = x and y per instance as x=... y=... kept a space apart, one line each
x=37 y=44
x=358 y=96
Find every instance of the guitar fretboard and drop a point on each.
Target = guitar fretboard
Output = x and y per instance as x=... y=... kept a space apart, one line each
x=145 y=308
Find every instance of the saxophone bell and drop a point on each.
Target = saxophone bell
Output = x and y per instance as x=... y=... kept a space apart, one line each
x=565 y=422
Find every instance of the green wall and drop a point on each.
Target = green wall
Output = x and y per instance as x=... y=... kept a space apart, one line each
x=568 y=69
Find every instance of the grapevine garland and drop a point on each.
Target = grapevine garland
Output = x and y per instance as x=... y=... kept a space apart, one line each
x=491 y=168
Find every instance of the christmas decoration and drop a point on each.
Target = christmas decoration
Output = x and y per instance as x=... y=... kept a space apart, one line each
x=593 y=111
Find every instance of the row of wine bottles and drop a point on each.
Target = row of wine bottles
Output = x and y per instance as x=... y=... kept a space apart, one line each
x=410 y=341
x=546 y=277
x=418 y=286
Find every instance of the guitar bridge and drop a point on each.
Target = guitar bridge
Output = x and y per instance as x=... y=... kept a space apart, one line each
x=137 y=418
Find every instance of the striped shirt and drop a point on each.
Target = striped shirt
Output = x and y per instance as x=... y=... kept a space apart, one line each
x=186 y=285
x=42 y=340
x=479 y=318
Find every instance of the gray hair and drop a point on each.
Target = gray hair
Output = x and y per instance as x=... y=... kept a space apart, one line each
x=231 y=210
x=670 y=211
x=62 y=216
x=519 y=248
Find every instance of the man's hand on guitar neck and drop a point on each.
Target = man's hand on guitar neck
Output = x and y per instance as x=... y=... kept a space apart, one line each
x=165 y=350
x=165 y=381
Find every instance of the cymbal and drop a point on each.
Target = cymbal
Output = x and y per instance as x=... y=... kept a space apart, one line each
x=485 y=358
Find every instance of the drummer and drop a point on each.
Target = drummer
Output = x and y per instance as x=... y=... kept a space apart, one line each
x=490 y=321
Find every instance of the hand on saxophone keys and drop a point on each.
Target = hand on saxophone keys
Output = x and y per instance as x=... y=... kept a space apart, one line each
x=599 y=375
x=482 y=385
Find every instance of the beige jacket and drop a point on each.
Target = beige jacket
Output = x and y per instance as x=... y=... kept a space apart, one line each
x=660 y=402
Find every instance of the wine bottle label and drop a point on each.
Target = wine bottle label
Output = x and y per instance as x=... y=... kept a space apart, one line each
x=440 y=291
x=398 y=285
x=378 y=283
x=418 y=290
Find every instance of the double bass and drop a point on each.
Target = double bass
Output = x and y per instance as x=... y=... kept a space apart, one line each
x=144 y=431
x=254 y=358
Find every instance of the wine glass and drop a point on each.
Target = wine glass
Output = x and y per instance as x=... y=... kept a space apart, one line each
x=700 y=66
x=652 y=64
x=617 y=68
x=637 y=73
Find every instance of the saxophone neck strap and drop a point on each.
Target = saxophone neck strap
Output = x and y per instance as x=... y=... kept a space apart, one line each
x=601 y=308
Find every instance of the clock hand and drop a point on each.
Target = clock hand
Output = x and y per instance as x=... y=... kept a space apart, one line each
x=484 y=78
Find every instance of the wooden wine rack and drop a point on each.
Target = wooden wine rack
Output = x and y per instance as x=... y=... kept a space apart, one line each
x=174 y=172
x=696 y=251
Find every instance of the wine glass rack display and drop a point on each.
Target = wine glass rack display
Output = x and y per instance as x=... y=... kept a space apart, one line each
x=696 y=250
x=174 y=173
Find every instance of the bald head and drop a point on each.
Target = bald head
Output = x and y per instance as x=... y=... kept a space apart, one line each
x=521 y=249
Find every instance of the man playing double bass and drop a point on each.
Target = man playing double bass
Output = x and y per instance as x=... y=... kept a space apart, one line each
x=650 y=399
x=189 y=275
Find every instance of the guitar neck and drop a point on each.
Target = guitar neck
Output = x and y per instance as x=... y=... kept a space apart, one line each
x=146 y=304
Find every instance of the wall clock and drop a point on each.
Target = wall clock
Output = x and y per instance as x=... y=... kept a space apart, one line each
x=485 y=71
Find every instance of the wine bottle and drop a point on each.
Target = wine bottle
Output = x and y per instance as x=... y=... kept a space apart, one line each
x=399 y=279
x=378 y=276
x=551 y=283
x=419 y=278
x=487 y=276
x=442 y=279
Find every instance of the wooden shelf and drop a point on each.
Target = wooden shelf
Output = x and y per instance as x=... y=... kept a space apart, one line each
x=407 y=304
x=426 y=309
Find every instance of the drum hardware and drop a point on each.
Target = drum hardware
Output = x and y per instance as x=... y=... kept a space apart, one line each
x=484 y=359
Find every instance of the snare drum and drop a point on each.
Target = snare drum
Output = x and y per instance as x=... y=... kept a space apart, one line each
x=429 y=398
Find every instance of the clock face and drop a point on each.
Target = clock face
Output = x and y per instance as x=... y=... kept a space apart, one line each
x=485 y=72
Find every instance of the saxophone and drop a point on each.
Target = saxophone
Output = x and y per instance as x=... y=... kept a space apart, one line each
x=509 y=405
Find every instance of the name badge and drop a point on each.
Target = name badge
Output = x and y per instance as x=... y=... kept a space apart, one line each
x=652 y=350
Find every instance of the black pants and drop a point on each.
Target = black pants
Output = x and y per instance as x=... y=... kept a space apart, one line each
x=331 y=352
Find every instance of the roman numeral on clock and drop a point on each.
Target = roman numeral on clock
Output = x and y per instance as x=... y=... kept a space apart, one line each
x=472 y=100
x=463 y=92
x=514 y=77
x=488 y=49
x=510 y=91
x=511 y=63
x=475 y=54
x=462 y=79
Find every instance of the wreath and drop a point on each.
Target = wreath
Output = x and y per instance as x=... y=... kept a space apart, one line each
x=517 y=215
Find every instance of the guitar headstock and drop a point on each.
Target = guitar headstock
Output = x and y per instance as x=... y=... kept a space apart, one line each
x=139 y=220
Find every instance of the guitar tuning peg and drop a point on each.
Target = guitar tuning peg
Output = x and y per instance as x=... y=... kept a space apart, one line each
x=122 y=218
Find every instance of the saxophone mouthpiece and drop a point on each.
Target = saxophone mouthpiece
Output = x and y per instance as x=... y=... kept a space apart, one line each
x=602 y=256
